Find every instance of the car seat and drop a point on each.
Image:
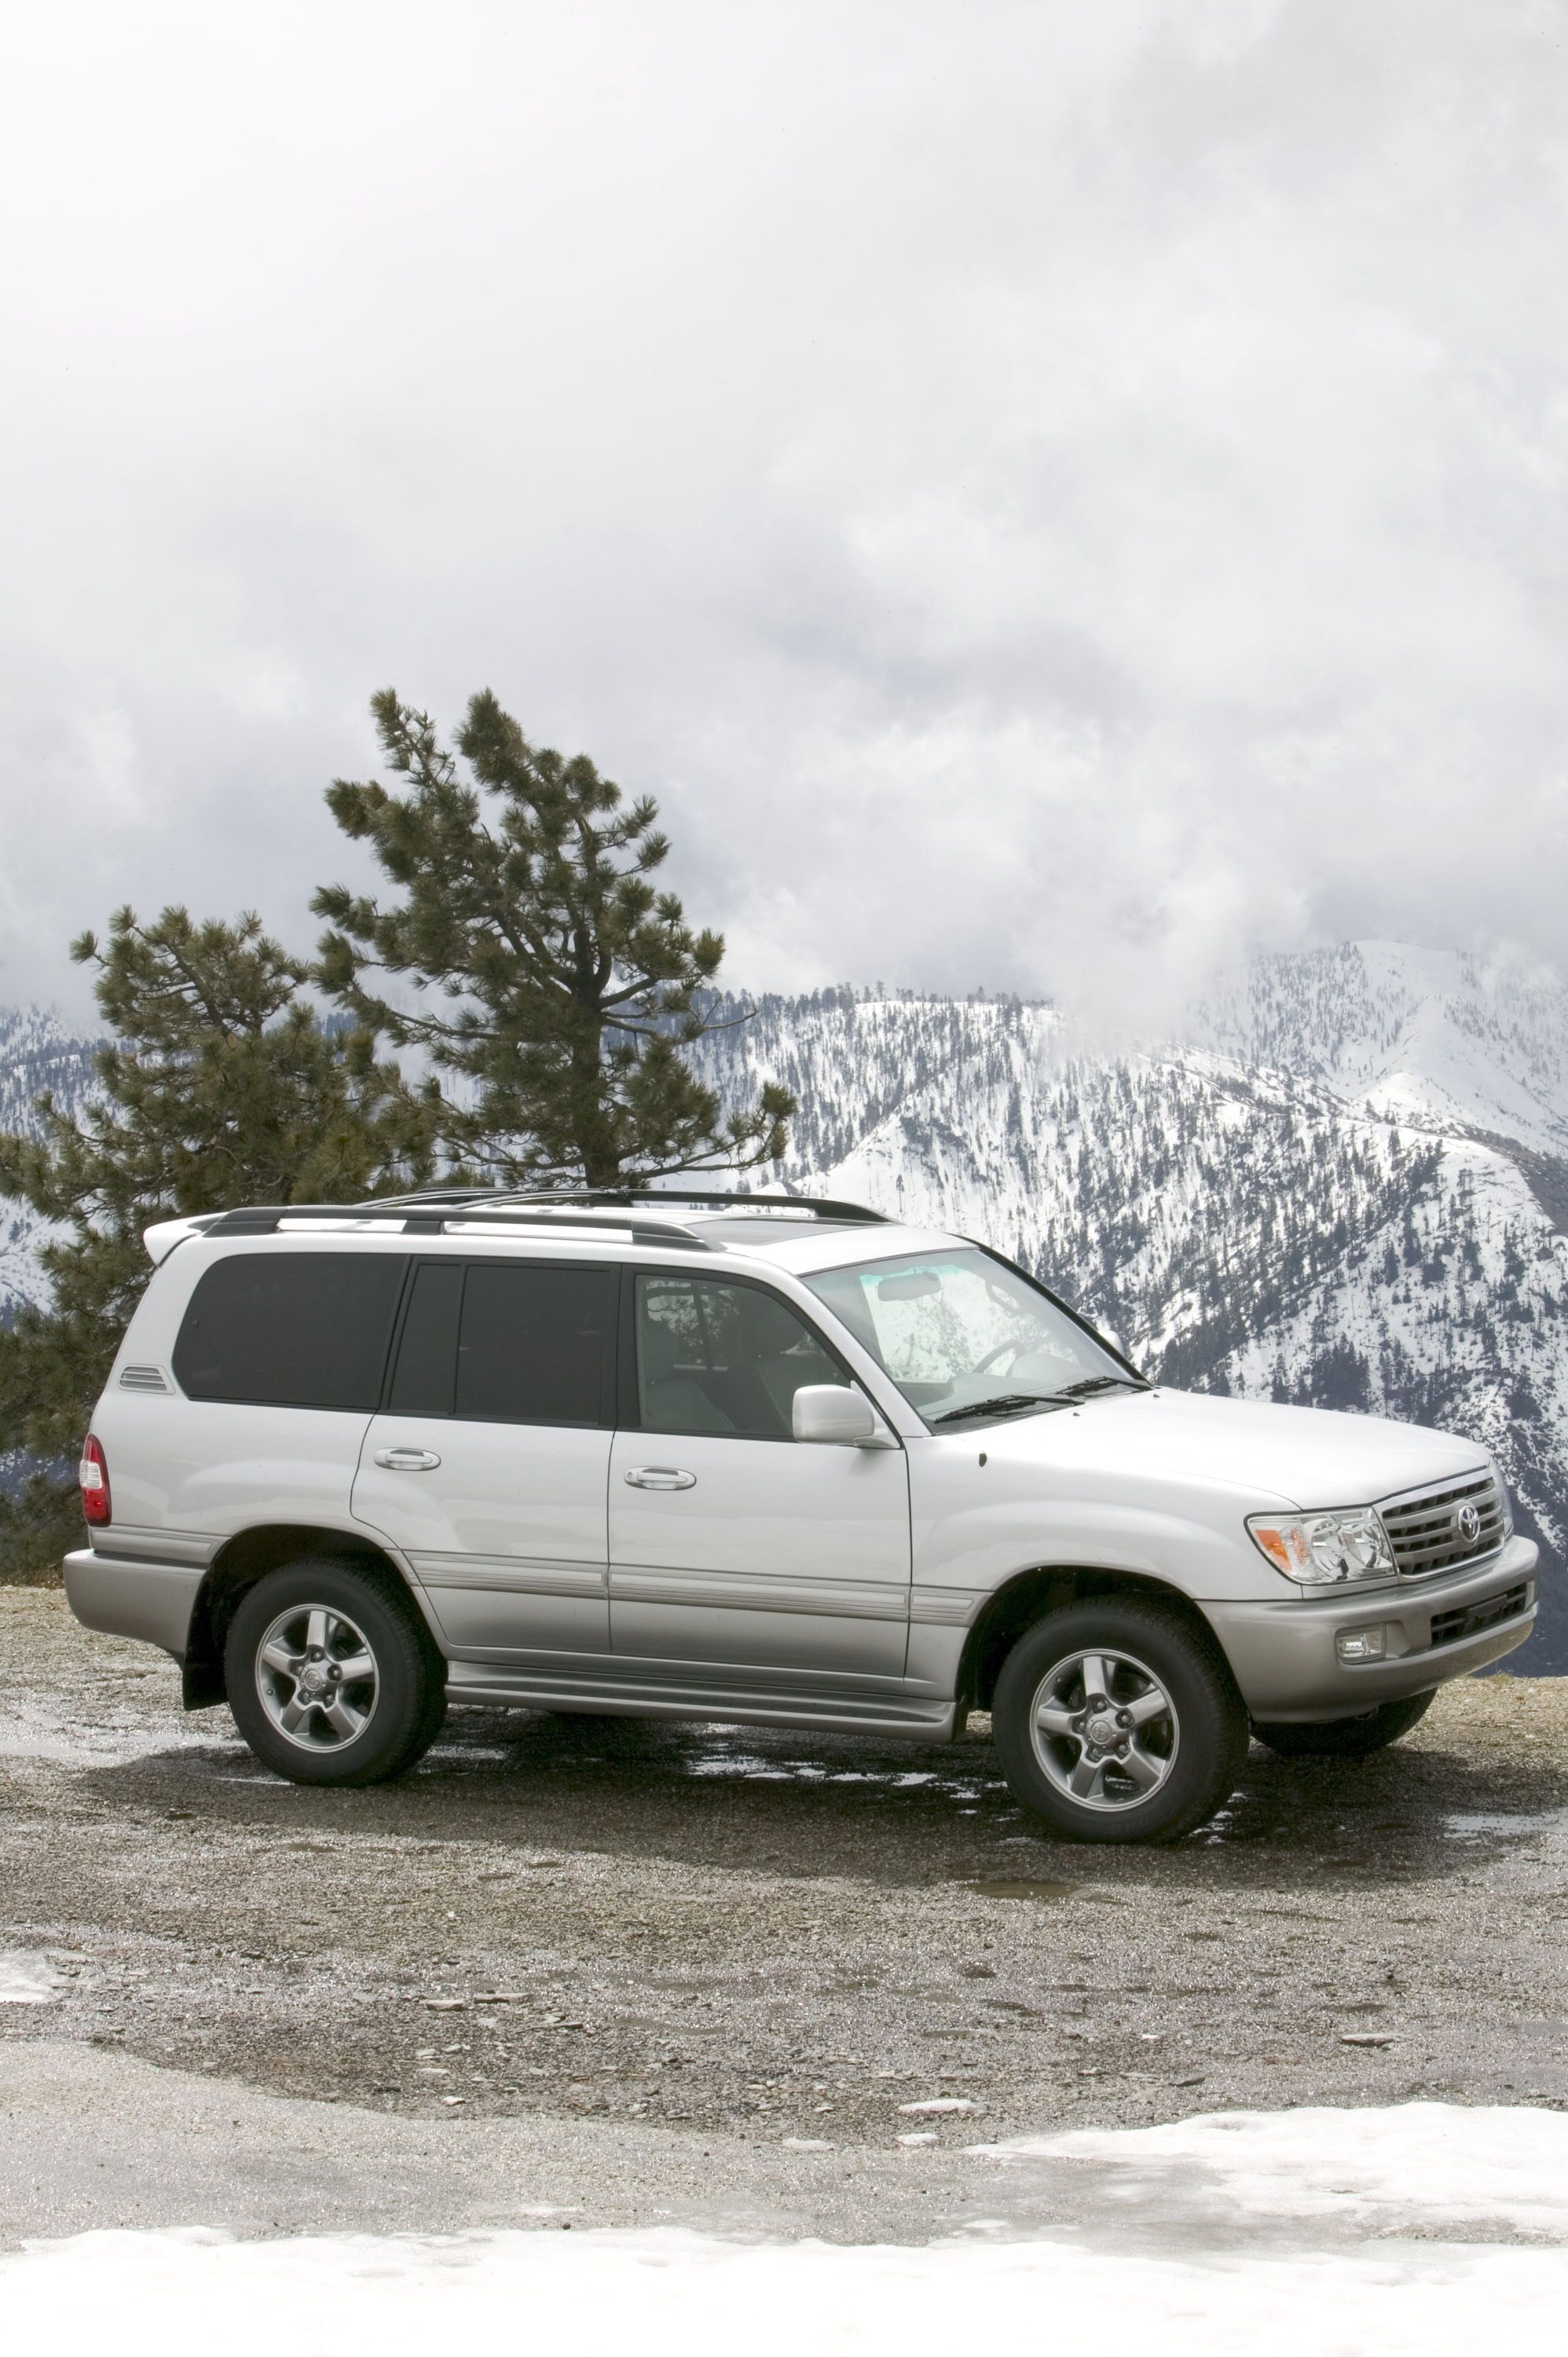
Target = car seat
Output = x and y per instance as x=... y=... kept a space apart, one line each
x=673 y=1399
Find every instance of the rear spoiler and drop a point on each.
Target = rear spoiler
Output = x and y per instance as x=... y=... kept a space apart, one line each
x=161 y=1238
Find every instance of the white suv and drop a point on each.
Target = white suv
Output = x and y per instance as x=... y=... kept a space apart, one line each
x=778 y=1461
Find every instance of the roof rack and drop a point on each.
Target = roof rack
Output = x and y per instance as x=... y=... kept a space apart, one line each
x=435 y=1211
x=647 y=1199
x=415 y=1216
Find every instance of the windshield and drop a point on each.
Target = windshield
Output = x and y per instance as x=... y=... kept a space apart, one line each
x=964 y=1335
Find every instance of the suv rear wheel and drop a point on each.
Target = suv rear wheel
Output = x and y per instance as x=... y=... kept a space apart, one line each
x=1116 y=1723
x=329 y=1680
x=1347 y=1738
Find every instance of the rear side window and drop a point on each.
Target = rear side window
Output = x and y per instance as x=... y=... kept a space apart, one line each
x=497 y=1343
x=426 y=1371
x=290 y=1330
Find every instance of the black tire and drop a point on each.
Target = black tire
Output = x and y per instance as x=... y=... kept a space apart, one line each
x=401 y=1705
x=1347 y=1738
x=1164 y=1675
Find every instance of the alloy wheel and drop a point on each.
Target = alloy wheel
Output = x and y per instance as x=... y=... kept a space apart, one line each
x=1104 y=1729
x=316 y=1678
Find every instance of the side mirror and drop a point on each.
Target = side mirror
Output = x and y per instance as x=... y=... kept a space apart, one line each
x=827 y=1411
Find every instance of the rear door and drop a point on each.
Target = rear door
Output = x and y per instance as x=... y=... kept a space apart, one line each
x=731 y=1542
x=489 y=1464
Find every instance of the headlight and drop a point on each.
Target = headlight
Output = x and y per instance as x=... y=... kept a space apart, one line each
x=1320 y=1550
x=1505 y=1503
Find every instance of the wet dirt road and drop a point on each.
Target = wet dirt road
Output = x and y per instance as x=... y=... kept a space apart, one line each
x=731 y=1948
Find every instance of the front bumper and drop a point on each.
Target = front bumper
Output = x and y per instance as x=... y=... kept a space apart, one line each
x=1282 y=1654
x=130 y=1597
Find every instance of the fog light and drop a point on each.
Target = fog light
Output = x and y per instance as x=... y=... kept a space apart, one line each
x=1360 y=1644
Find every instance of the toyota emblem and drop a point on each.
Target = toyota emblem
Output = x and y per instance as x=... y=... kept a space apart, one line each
x=1468 y=1523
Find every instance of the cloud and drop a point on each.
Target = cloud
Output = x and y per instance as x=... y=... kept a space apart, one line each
x=1046 y=496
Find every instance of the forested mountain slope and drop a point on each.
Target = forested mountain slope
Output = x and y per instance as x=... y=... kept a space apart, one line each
x=36 y=1054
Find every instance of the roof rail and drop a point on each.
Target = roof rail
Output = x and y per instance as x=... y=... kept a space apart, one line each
x=646 y=1199
x=417 y=1216
x=432 y=1211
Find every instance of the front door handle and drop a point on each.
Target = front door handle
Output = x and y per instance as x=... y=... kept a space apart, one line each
x=660 y=1476
x=408 y=1461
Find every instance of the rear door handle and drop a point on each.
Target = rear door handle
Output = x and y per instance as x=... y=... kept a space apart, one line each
x=408 y=1461
x=660 y=1476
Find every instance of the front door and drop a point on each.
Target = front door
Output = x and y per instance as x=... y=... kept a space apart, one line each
x=489 y=1466
x=731 y=1543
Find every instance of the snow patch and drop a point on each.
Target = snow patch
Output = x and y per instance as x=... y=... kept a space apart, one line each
x=1435 y=2166
x=31 y=1731
x=1439 y=2168
x=671 y=2294
x=27 y=1978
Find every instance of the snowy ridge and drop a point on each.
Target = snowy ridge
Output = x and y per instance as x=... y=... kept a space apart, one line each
x=1426 y=1036
x=853 y=1060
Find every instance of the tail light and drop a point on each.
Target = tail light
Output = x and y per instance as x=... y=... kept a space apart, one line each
x=93 y=1475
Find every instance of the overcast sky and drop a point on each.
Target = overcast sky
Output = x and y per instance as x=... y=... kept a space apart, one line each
x=1046 y=495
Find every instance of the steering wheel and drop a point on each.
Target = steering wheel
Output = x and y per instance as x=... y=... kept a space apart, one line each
x=1016 y=1344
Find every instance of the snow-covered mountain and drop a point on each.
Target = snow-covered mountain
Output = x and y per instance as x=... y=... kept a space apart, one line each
x=1343 y=1178
x=1425 y=1035
x=36 y=1054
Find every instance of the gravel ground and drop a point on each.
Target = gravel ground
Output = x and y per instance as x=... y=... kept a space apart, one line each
x=703 y=1948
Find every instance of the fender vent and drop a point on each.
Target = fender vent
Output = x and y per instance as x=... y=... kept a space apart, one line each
x=142 y=1378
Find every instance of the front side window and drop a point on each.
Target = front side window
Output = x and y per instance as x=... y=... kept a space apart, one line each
x=290 y=1329
x=723 y=1357
x=965 y=1336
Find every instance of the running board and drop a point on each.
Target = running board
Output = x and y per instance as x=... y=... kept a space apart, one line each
x=920 y=1722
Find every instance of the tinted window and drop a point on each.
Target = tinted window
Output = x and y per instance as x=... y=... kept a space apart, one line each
x=290 y=1330
x=723 y=1357
x=536 y=1345
x=427 y=1352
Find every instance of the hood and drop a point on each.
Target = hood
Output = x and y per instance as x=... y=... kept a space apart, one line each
x=1307 y=1457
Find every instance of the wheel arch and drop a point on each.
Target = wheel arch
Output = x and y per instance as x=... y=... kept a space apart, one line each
x=1030 y=1595
x=247 y=1557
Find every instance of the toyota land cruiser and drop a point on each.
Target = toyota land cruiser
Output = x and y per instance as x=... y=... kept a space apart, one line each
x=769 y=1461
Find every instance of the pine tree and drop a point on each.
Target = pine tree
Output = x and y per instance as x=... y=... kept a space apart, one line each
x=549 y=979
x=220 y=1086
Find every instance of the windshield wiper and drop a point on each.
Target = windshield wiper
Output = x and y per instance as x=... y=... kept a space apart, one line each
x=1000 y=1405
x=1003 y=1401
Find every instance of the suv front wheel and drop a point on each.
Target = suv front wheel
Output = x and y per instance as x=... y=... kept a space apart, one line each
x=1116 y=1723
x=329 y=1680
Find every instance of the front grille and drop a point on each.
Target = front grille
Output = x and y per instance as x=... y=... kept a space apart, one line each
x=1469 y=1620
x=1424 y=1532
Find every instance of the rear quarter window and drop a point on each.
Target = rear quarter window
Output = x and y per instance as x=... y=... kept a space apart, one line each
x=290 y=1330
